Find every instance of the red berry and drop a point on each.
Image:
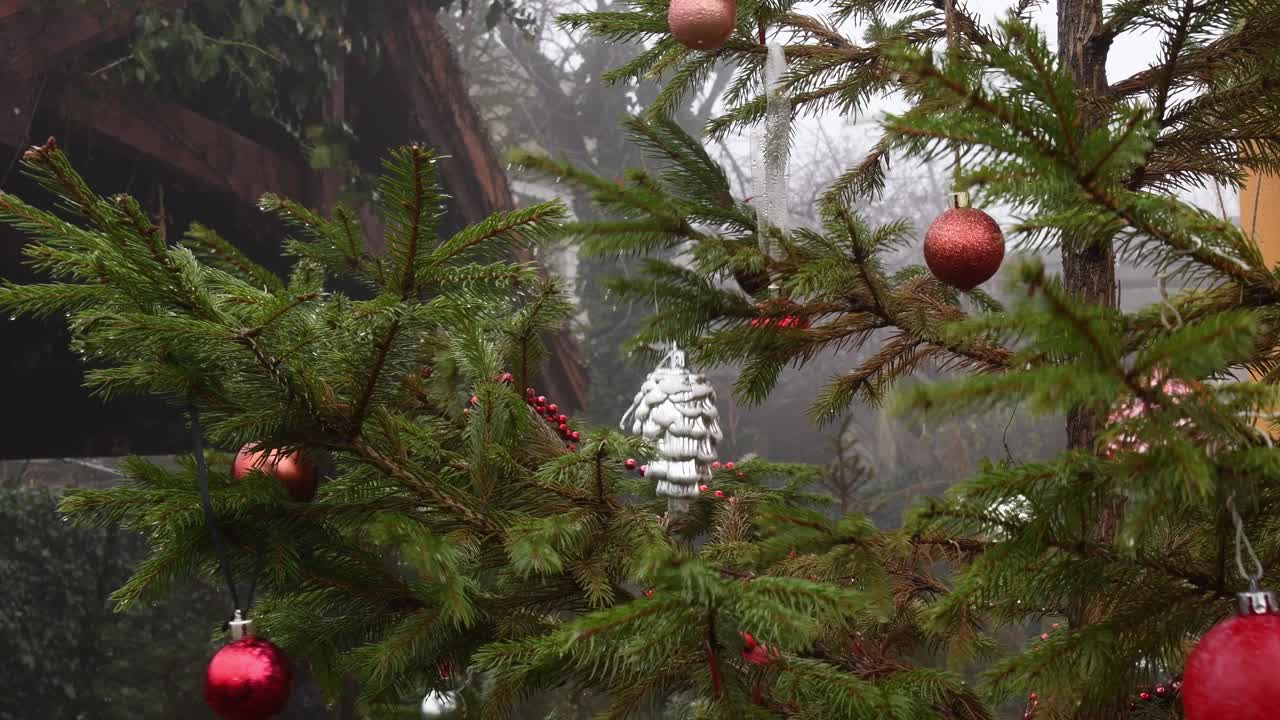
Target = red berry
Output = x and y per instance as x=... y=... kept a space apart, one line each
x=575 y=435
x=648 y=593
x=564 y=428
x=1033 y=696
x=573 y=448
x=719 y=493
x=1044 y=636
x=630 y=463
x=528 y=392
x=553 y=408
x=715 y=465
x=563 y=418
x=728 y=466
x=703 y=488
x=643 y=469
x=1145 y=695
x=474 y=400
x=1162 y=691
x=1056 y=626
x=542 y=400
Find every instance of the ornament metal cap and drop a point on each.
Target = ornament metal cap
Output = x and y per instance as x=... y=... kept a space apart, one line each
x=240 y=627
x=960 y=199
x=1258 y=602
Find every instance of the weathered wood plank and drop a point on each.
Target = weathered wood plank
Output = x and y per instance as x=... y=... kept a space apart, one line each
x=188 y=142
x=32 y=39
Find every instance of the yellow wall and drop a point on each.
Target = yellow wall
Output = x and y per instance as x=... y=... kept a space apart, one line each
x=1267 y=231
x=1267 y=228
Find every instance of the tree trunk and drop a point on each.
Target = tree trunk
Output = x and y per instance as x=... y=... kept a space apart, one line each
x=1089 y=272
x=1088 y=264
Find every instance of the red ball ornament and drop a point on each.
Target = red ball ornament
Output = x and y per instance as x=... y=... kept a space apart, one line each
x=715 y=465
x=703 y=488
x=702 y=24
x=299 y=477
x=1232 y=671
x=248 y=679
x=728 y=466
x=541 y=400
x=564 y=418
x=553 y=408
x=630 y=463
x=575 y=436
x=964 y=246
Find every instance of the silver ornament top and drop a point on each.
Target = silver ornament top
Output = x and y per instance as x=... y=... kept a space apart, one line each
x=439 y=704
x=240 y=627
x=1258 y=602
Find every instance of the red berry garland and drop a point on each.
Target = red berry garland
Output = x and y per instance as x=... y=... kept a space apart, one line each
x=776 y=307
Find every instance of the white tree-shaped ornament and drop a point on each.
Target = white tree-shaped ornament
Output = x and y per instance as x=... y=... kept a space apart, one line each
x=676 y=410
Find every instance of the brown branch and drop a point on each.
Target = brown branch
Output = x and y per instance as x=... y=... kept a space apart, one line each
x=279 y=313
x=396 y=472
x=382 y=350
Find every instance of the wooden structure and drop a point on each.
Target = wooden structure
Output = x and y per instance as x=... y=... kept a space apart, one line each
x=214 y=171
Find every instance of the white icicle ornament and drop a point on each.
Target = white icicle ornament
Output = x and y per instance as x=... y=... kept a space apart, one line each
x=676 y=410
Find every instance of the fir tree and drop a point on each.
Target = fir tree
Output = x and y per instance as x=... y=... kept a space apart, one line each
x=478 y=540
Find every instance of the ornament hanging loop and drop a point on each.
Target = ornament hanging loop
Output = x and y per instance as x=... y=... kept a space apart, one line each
x=960 y=200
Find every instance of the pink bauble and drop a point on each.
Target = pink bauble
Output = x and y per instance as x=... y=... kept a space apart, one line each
x=1232 y=673
x=702 y=24
x=1173 y=388
x=964 y=248
x=299 y=477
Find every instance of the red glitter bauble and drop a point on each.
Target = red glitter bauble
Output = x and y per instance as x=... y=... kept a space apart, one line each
x=1232 y=672
x=299 y=477
x=964 y=248
x=247 y=679
x=702 y=24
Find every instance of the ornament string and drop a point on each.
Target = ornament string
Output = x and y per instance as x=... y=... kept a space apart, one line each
x=1167 y=308
x=949 y=20
x=206 y=505
x=1243 y=545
